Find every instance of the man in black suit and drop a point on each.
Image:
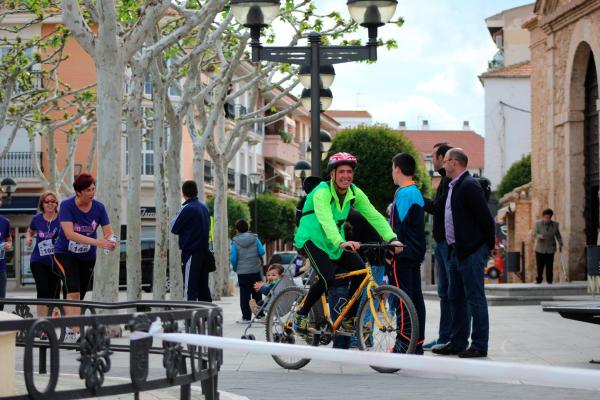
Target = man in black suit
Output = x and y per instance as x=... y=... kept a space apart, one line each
x=470 y=236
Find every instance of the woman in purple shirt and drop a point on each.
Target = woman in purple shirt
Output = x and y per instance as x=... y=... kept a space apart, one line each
x=75 y=250
x=44 y=227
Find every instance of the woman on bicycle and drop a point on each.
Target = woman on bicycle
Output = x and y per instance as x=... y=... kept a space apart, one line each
x=320 y=234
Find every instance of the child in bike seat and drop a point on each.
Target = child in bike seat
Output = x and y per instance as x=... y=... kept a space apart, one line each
x=274 y=275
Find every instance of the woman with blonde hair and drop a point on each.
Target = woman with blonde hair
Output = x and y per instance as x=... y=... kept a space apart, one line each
x=44 y=228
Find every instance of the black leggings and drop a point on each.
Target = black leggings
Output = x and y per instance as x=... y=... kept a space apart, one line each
x=47 y=280
x=326 y=270
x=77 y=274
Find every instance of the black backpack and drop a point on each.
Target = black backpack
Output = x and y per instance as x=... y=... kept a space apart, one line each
x=308 y=185
x=485 y=184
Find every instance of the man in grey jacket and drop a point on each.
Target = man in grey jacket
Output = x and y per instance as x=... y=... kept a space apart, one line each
x=546 y=236
x=246 y=259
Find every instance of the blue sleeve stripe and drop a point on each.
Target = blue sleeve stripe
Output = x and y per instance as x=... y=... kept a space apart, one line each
x=406 y=198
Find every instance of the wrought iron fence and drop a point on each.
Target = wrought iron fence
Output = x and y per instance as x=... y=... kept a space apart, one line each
x=182 y=365
x=18 y=164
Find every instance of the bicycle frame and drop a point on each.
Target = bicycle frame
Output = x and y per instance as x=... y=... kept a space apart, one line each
x=369 y=282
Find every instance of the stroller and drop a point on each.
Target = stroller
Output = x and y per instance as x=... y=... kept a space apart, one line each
x=285 y=282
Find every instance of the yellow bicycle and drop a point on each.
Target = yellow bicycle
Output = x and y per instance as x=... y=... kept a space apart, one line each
x=386 y=321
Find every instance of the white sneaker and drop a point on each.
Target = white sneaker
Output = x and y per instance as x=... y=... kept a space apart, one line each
x=71 y=337
x=242 y=321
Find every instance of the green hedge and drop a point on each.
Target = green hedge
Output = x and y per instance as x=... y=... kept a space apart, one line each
x=374 y=148
x=236 y=209
x=275 y=217
x=518 y=174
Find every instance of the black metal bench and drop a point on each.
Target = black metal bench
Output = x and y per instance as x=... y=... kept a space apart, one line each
x=183 y=365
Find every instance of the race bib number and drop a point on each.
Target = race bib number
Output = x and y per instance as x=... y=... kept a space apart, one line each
x=78 y=248
x=46 y=247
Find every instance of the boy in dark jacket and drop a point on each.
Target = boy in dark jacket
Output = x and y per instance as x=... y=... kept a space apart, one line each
x=408 y=222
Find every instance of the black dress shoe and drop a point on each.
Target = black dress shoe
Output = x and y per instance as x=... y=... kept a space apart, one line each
x=472 y=353
x=446 y=350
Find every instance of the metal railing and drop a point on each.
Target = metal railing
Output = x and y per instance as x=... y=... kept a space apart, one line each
x=183 y=366
x=19 y=164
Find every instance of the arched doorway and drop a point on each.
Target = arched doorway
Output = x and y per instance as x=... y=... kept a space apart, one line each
x=592 y=161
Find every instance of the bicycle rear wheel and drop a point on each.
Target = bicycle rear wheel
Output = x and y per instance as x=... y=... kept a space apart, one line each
x=400 y=324
x=279 y=325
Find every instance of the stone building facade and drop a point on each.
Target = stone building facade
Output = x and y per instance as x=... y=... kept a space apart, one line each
x=565 y=54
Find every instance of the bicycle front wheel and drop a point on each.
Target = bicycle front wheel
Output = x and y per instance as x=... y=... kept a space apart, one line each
x=279 y=325
x=393 y=329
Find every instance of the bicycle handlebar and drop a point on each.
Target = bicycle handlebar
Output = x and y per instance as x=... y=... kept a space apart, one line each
x=383 y=245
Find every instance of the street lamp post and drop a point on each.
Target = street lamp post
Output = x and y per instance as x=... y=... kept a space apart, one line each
x=316 y=58
x=9 y=186
x=255 y=181
x=301 y=169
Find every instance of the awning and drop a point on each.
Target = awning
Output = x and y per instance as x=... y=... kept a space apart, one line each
x=20 y=205
x=278 y=171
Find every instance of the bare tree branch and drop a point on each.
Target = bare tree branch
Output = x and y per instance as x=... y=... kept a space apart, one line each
x=74 y=20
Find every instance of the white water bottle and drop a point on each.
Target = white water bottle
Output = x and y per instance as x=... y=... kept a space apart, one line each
x=112 y=238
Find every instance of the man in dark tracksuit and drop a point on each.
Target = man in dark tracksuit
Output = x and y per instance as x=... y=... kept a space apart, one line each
x=192 y=225
x=408 y=223
x=436 y=208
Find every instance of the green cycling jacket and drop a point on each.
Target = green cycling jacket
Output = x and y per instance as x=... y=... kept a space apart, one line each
x=324 y=226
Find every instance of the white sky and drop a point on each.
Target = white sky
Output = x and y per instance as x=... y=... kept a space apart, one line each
x=442 y=48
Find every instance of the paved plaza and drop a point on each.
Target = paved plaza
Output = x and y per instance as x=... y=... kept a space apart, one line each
x=522 y=334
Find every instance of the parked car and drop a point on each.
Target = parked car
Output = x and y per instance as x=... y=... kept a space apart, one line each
x=147 y=264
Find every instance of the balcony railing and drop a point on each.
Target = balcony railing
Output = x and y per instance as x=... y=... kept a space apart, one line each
x=19 y=164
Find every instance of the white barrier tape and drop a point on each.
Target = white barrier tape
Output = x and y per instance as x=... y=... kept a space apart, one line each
x=574 y=378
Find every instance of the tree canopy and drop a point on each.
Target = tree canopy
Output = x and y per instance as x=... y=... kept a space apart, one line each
x=275 y=218
x=374 y=148
x=236 y=209
x=518 y=174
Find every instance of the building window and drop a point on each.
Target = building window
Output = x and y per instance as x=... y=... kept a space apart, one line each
x=148 y=142
x=208 y=177
x=147 y=164
x=229 y=110
x=147 y=154
x=243 y=184
x=231 y=178
x=174 y=91
x=148 y=85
